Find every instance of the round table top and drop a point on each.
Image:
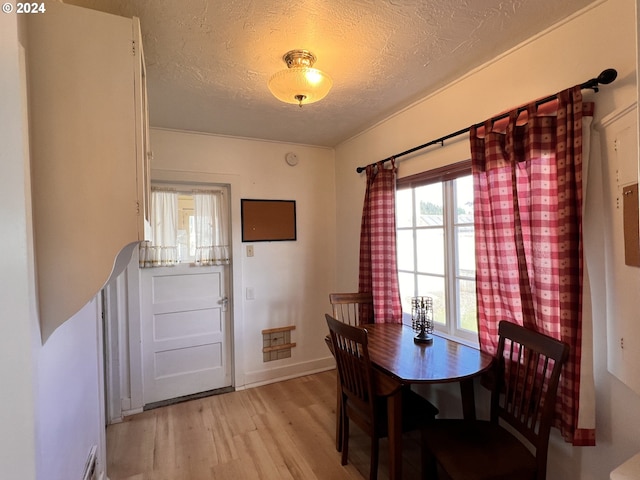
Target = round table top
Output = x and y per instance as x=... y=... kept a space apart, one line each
x=392 y=349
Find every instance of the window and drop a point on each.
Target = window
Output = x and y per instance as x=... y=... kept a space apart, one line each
x=187 y=227
x=436 y=249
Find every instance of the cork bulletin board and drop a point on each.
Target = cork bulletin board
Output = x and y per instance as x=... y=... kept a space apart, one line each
x=268 y=220
x=631 y=220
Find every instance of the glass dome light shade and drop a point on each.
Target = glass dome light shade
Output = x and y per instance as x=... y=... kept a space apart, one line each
x=300 y=85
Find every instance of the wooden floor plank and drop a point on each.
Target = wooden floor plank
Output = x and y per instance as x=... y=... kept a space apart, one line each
x=283 y=431
x=132 y=444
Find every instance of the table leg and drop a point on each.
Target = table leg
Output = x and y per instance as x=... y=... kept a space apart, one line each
x=468 y=399
x=394 y=411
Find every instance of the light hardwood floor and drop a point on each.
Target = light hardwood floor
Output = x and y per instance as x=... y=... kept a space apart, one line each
x=284 y=430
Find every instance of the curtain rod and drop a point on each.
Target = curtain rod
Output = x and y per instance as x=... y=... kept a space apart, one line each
x=606 y=77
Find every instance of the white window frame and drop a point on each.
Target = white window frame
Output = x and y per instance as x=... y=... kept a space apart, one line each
x=451 y=328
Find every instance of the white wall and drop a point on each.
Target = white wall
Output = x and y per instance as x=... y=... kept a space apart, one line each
x=69 y=415
x=50 y=405
x=579 y=49
x=291 y=280
x=18 y=328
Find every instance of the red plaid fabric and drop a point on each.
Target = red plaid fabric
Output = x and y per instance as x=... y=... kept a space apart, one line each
x=528 y=227
x=378 y=266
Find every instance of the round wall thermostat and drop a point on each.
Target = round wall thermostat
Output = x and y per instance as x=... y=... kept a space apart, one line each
x=291 y=158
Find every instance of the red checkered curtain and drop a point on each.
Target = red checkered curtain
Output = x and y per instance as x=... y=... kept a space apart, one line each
x=378 y=268
x=528 y=194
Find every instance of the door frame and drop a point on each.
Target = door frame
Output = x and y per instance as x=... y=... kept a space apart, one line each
x=128 y=362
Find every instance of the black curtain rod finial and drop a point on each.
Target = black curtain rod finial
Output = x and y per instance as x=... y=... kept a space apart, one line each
x=607 y=76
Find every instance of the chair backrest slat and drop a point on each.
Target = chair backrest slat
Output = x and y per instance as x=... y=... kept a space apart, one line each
x=350 y=345
x=529 y=371
x=352 y=308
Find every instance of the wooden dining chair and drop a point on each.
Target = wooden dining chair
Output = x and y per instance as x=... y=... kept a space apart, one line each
x=523 y=396
x=352 y=308
x=359 y=402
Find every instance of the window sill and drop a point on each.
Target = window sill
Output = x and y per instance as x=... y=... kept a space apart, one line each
x=463 y=341
x=406 y=320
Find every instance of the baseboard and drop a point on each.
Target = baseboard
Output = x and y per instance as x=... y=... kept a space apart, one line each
x=133 y=411
x=272 y=375
x=286 y=372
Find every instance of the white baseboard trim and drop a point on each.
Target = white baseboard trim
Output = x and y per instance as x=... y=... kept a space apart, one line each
x=272 y=375
x=278 y=374
x=133 y=411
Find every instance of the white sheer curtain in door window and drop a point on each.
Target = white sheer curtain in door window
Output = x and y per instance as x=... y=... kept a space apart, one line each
x=162 y=250
x=211 y=238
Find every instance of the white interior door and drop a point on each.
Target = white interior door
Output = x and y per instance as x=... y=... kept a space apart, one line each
x=185 y=331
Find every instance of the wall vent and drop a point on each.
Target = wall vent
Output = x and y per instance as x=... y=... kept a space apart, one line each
x=276 y=343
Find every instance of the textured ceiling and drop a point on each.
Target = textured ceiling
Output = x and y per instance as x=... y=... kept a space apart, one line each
x=208 y=61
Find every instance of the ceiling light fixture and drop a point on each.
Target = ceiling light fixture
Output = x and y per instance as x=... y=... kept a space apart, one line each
x=300 y=83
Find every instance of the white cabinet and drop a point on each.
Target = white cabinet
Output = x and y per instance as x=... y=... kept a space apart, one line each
x=88 y=149
x=620 y=137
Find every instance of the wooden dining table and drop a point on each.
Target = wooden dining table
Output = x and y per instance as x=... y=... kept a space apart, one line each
x=399 y=361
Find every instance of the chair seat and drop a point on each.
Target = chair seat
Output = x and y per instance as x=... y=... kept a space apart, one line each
x=479 y=450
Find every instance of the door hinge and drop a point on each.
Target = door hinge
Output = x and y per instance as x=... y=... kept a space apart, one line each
x=133 y=48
